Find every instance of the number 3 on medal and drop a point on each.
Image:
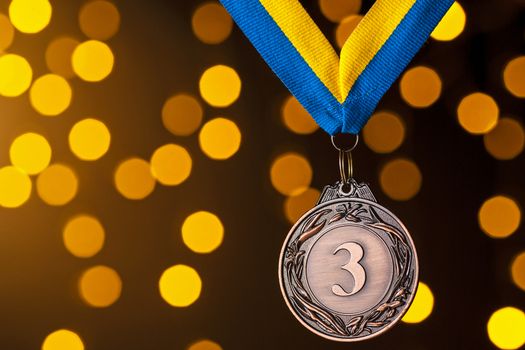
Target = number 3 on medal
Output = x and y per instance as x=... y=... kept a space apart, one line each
x=353 y=267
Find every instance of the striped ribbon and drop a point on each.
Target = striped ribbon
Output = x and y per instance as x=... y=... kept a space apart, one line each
x=340 y=93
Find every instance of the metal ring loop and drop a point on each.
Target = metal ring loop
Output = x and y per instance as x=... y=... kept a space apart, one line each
x=346 y=166
x=351 y=145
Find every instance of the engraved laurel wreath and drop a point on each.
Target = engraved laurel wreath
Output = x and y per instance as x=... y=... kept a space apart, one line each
x=333 y=324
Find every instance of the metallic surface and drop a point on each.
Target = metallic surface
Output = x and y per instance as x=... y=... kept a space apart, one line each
x=348 y=269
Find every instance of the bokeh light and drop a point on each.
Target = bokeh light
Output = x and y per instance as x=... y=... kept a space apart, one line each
x=451 y=25
x=336 y=10
x=384 y=132
x=211 y=23
x=514 y=76
x=205 y=344
x=50 y=95
x=182 y=114
x=506 y=328
x=220 y=86
x=100 y=286
x=57 y=184
x=89 y=139
x=83 y=236
x=296 y=205
x=133 y=179
x=58 y=56
x=171 y=164
x=7 y=32
x=422 y=305
x=15 y=187
x=420 y=87
x=30 y=16
x=400 y=179
x=506 y=140
x=296 y=118
x=518 y=271
x=30 y=152
x=63 y=339
x=345 y=28
x=499 y=216
x=99 y=19
x=202 y=232
x=478 y=113
x=291 y=174
x=220 y=138
x=92 y=60
x=180 y=285
x=15 y=75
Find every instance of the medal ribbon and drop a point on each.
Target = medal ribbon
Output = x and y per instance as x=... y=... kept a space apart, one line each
x=340 y=93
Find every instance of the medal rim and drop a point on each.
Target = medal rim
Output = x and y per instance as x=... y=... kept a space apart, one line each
x=410 y=298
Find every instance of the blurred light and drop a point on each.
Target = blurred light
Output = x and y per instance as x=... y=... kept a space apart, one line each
x=220 y=138
x=296 y=205
x=296 y=118
x=89 y=139
x=499 y=217
x=100 y=286
x=202 y=232
x=92 y=60
x=171 y=164
x=7 y=32
x=220 y=86
x=518 y=271
x=420 y=87
x=15 y=187
x=384 y=132
x=345 y=28
x=211 y=23
x=336 y=10
x=400 y=179
x=514 y=76
x=15 y=75
x=50 y=95
x=291 y=174
x=63 y=339
x=506 y=140
x=478 y=113
x=204 y=345
x=133 y=179
x=99 y=20
x=422 y=305
x=182 y=114
x=83 y=236
x=180 y=285
x=451 y=25
x=57 y=185
x=30 y=152
x=58 y=56
x=30 y=16
x=506 y=328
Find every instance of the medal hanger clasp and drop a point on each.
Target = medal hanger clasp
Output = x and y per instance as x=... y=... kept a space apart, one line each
x=345 y=144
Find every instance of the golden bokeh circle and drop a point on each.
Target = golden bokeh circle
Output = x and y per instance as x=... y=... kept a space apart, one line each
x=220 y=138
x=506 y=140
x=345 y=28
x=100 y=286
x=30 y=16
x=15 y=75
x=499 y=216
x=171 y=164
x=420 y=86
x=211 y=23
x=92 y=60
x=180 y=285
x=336 y=10
x=50 y=95
x=59 y=54
x=15 y=187
x=451 y=25
x=400 y=179
x=506 y=328
x=202 y=232
x=182 y=114
x=514 y=76
x=291 y=174
x=384 y=132
x=133 y=179
x=89 y=139
x=220 y=86
x=7 y=32
x=30 y=152
x=83 y=236
x=63 y=339
x=421 y=306
x=478 y=113
x=57 y=185
x=296 y=205
x=99 y=19
x=296 y=118
x=204 y=344
x=518 y=271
